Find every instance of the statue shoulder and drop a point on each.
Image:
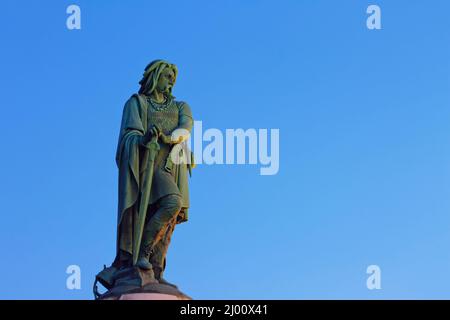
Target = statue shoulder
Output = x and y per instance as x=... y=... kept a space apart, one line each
x=183 y=106
x=135 y=102
x=131 y=101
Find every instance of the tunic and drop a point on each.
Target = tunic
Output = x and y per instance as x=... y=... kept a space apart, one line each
x=138 y=117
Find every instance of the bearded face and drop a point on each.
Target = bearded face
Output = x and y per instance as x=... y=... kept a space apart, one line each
x=159 y=76
x=166 y=81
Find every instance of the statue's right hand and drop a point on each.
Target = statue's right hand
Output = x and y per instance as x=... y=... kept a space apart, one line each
x=154 y=131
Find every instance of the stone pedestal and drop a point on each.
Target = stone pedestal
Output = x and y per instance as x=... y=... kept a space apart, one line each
x=136 y=284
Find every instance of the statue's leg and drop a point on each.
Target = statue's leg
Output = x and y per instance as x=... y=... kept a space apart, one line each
x=158 y=258
x=168 y=208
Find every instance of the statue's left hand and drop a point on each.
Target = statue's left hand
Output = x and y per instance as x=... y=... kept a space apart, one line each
x=165 y=139
x=179 y=135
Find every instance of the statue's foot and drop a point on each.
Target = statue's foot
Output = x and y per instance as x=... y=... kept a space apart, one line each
x=164 y=281
x=144 y=264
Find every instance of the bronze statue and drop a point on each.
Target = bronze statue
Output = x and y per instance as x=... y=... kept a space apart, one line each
x=153 y=188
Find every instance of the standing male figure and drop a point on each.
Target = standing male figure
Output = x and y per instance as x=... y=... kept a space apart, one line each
x=153 y=112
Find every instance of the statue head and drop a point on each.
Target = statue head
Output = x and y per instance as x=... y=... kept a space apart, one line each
x=159 y=75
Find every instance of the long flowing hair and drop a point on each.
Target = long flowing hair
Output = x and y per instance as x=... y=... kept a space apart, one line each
x=151 y=76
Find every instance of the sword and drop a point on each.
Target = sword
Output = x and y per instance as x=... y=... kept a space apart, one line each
x=149 y=159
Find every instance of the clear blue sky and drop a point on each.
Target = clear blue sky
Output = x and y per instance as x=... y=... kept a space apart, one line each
x=364 y=144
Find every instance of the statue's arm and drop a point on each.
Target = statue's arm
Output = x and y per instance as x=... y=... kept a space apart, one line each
x=128 y=154
x=131 y=130
x=186 y=120
x=185 y=124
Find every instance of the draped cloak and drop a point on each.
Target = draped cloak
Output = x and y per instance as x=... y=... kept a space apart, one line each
x=137 y=118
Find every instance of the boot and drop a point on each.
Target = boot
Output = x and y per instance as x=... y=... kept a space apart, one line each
x=144 y=256
x=149 y=240
x=156 y=227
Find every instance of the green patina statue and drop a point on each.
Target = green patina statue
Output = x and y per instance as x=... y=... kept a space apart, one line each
x=153 y=188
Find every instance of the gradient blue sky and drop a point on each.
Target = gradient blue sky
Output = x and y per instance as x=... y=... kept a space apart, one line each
x=364 y=144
